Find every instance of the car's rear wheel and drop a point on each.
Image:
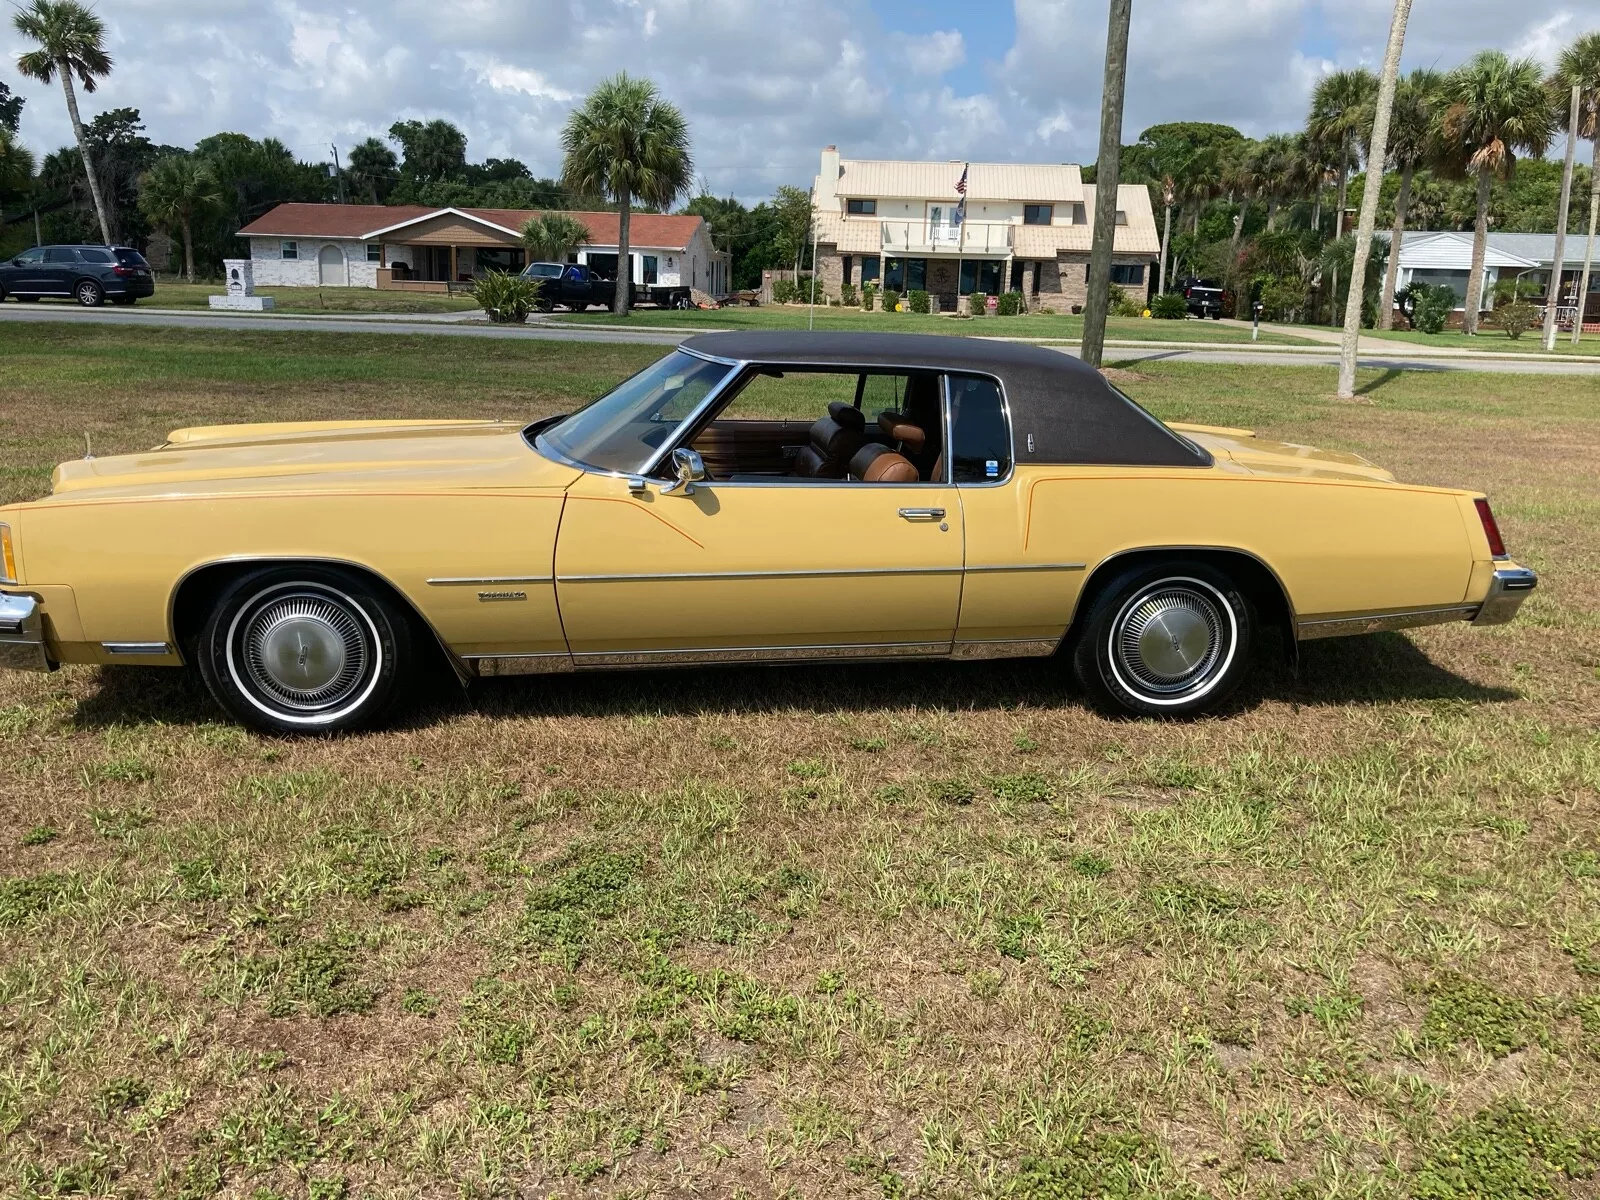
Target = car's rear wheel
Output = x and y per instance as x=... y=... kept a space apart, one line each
x=89 y=293
x=1170 y=639
x=305 y=649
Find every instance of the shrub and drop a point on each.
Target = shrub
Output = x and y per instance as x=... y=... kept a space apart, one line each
x=1121 y=304
x=1516 y=318
x=1509 y=291
x=1169 y=306
x=1431 y=306
x=919 y=301
x=847 y=295
x=782 y=291
x=891 y=299
x=802 y=291
x=868 y=294
x=977 y=304
x=1010 y=304
x=507 y=299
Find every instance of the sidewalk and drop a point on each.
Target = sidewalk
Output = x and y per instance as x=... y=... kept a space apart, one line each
x=1366 y=344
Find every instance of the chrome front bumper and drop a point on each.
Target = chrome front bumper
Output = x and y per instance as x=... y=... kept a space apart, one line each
x=1507 y=590
x=22 y=645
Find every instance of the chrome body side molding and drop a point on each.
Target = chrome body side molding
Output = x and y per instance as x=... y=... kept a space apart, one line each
x=704 y=576
x=488 y=580
x=487 y=666
x=1508 y=588
x=861 y=652
x=136 y=647
x=1005 y=648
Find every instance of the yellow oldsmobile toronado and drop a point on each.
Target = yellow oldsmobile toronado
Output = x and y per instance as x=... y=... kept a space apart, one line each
x=943 y=498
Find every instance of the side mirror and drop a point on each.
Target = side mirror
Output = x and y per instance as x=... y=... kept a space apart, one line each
x=689 y=469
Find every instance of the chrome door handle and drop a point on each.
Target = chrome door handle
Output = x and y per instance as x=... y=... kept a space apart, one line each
x=922 y=514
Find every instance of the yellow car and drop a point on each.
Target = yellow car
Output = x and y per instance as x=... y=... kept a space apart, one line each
x=941 y=498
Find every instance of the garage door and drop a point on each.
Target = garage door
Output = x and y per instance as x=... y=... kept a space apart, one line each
x=330 y=266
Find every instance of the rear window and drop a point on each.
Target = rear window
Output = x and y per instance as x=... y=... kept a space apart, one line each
x=130 y=258
x=95 y=256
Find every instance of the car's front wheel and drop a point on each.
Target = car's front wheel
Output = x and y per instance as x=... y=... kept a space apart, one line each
x=89 y=293
x=1165 y=640
x=305 y=650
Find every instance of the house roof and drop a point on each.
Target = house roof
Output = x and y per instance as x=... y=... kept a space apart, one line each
x=1450 y=250
x=365 y=221
x=1058 y=182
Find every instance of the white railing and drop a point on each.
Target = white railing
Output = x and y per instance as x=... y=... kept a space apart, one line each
x=929 y=237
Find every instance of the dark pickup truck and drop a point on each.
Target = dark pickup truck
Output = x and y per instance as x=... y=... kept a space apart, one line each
x=576 y=287
x=1204 y=298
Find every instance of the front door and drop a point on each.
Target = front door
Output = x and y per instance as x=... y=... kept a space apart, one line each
x=330 y=266
x=942 y=229
x=757 y=570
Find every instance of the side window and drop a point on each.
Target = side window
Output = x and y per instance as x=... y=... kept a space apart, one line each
x=37 y=255
x=60 y=254
x=289 y=249
x=789 y=396
x=96 y=256
x=981 y=436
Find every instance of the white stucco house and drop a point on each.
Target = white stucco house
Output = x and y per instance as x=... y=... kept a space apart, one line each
x=1446 y=257
x=1025 y=227
x=415 y=248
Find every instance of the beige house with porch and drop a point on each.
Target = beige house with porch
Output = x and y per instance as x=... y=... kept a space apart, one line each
x=415 y=248
x=1025 y=228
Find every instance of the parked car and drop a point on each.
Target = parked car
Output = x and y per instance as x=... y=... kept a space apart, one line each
x=576 y=286
x=1204 y=297
x=89 y=274
x=956 y=499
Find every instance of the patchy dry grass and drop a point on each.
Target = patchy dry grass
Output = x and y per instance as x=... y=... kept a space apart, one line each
x=932 y=930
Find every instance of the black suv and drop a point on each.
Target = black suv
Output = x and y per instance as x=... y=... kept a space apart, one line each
x=91 y=275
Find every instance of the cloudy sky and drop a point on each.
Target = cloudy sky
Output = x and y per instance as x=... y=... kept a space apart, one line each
x=764 y=83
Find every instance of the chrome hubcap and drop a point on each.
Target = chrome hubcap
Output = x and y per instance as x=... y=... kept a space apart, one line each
x=303 y=651
x=1170 y=638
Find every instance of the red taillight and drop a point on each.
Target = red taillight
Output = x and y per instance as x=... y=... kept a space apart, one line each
x=122 y=270
x=1497 y=546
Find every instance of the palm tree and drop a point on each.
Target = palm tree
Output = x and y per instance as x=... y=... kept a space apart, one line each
x=1494 y=106
x=1341 y=115
x=1377 y=156
x=176 y=191
x=1413 y=139
x=552 y=236
x=70 y=41
x=1272 y=167
x=1200 y=181
x=626 y=143
x=373 y=168
x=1580 y=64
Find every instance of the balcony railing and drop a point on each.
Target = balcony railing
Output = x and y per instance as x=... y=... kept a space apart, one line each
x=928 y=237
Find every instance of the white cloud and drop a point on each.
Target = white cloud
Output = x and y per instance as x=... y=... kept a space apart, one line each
x=764 y=83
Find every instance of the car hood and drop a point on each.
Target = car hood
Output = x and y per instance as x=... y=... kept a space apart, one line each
x=1261 y=456
x=320 y=456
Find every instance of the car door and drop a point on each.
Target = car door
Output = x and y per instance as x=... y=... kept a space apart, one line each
x=59 y=271
x=758 y=568
x=24 y=275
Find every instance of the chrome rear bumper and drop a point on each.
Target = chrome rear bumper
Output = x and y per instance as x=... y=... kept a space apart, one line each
x=22 y=645
x=1507 y=590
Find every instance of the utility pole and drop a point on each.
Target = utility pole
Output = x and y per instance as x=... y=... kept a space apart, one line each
x=1377 y=156
x=1552 y=292
x=338 y=171
x=1106 y=175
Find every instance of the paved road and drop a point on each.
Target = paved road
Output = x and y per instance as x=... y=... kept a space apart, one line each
x=1387 y=359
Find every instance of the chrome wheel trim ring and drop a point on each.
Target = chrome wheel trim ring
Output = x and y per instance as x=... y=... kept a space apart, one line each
x=319 y=623
x=1154 y=646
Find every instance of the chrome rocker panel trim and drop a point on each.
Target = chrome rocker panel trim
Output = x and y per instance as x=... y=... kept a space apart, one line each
x=22 y=645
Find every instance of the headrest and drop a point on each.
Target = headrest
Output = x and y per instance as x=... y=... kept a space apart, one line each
x=913 y=437
x=847 y=415
x=834 y=439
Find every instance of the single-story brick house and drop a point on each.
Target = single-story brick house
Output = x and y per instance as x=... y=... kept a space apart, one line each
x=416 y=248
x=1024 y=227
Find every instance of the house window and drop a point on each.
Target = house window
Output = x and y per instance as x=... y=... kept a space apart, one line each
x=844 y=267
x=1133 y=276
x=648 y=262
x=861 y=208
x=1122 y=217
x=1079 y=215
x=289 y=250
x=374 y=252
x=980 y=275
x=1037 y=214
x=869 y=270
x=905 y=274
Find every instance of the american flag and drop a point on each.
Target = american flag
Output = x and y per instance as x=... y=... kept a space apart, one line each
x=961 y=187
x=961 y=184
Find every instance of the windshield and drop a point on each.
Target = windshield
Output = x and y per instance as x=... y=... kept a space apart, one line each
x=623 y=429
x=543 y=270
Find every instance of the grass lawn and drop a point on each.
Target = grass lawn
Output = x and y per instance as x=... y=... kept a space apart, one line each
x=867 y=931
x=1032 y=325
x=1492 y=339
x=313 y=300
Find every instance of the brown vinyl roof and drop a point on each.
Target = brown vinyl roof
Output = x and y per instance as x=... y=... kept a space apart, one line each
x=362 y=220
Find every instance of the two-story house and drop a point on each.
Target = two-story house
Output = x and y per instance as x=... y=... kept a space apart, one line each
x=1025 y=228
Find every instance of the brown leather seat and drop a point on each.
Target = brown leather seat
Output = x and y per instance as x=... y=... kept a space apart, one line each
x=835 y=439
x=903 y=432
x=876 y=463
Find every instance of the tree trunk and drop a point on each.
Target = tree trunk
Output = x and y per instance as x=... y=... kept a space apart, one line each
x=1316 y=211
x=1371 y=191
x=1480 y=242
x=619 y=302
x=1166 y=238
x=1552 y=292
x=1272 y=214
x=188 y=252
x=1344 y=185
x=1108 y=171
x=1392 y=272
x=1238 y=227
x=1197 y=207
x=1588 y=250
x=83 y=149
